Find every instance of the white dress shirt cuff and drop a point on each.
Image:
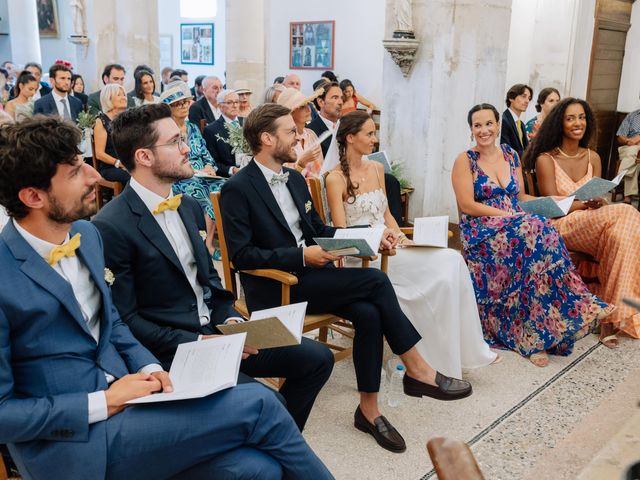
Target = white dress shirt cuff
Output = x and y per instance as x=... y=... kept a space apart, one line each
x=231 y=319
x=152 y=367
x=97 y=407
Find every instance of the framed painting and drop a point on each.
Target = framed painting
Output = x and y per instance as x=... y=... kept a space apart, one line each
x=196 y=43
x=311 y=45
x=48 y=24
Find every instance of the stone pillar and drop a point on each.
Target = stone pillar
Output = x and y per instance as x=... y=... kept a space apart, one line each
x=461 y=61
x=24 y=37
x=245 y=49
x=117 y=38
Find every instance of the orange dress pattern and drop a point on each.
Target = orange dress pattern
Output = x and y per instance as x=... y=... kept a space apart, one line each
x=610 y=234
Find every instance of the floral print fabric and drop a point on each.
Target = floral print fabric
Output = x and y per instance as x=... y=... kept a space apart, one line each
x=529 y=295
x=198 y=187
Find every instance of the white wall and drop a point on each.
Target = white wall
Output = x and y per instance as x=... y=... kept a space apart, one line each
x=550 y=46
x=630 y=81
x=359 y=30
x=169 y=21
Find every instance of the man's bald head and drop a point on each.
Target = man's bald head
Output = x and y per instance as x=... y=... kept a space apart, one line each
x=293 y=81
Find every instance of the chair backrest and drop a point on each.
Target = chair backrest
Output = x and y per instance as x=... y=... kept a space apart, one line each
x=227 y=269
x=530 y=182
x=94 y=160
x=453 y=460
x=318 y=190
x=203 y=124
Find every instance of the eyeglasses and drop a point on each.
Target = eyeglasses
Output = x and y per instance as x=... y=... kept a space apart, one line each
x=181 y=142
x=181 y=103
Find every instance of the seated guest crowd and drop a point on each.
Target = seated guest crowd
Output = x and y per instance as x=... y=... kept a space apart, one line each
x=117 y=295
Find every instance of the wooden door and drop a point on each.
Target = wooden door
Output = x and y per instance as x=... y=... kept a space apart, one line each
x=607 y=53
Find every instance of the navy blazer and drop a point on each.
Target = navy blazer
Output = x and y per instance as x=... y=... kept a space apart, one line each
x=49 y=361
x=47 y=106
x=219 y=149
x=151 y=291
x=509 y=134
x=201 y=110
x=257 y=233
x=319 y=127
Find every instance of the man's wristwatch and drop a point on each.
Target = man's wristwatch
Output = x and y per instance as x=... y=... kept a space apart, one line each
x=117 y=164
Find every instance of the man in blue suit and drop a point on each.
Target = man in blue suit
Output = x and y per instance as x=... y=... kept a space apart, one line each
x=68 y=364
x=58 y=101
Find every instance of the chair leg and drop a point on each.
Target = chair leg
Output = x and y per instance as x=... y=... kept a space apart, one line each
x=323 y=333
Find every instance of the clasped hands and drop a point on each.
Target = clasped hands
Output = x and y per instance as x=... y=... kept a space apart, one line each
x=135 y=385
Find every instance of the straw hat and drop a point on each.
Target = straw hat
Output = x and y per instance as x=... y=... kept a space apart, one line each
x=241 y=86
x=175 y=92
x=292 y=98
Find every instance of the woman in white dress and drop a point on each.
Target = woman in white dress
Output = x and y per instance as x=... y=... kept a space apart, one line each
x=433 y=285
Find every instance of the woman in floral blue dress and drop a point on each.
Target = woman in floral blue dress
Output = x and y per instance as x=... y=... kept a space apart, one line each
x=529 y=295
x=200 y=186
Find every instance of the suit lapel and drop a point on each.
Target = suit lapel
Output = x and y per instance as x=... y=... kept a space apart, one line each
x=38 y=270
x=262 y=187
x=150 y=228
x=200 y=252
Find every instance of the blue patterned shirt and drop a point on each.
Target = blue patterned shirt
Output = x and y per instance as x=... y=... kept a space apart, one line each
x=630 y=126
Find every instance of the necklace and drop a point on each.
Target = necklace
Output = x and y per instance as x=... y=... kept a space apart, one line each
x=570 y=156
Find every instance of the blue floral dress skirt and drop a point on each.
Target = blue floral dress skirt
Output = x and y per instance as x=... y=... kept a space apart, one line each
x=530 y=297
x=198 y=187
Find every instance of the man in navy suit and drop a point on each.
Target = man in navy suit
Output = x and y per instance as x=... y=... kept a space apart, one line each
x=216 y=134
x=207 y=107
x=143 y=245
x=58 y=101
x=270 y=222
x=68 y=364
x=513 y=133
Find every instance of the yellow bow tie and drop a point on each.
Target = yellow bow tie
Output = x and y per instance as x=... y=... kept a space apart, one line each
x=65 y=250
x=169 y=204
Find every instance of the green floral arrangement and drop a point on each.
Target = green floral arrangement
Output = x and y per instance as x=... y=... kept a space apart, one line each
x=398 y=172
x=236 y=139
x=86 y=120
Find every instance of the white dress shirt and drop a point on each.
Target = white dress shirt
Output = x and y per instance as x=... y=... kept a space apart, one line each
x=59 y=106
x=215 y=110
x=88 y=297
x=286 y=204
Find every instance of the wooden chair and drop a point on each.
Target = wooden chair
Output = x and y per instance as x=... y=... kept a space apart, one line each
x=3 y=470
x=530 y=182
x=203 y=124
x=453 y=460
x=103 y=184
x=321 y=322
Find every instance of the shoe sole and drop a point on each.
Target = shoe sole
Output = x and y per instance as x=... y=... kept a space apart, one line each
x=386 y=447
x=438 y=396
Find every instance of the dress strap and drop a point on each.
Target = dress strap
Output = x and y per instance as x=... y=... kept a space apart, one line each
x=378 y=175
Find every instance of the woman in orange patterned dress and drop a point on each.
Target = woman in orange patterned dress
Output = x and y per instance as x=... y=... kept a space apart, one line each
x=609 y=233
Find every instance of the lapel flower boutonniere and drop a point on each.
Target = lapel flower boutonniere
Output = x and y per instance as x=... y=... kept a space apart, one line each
x=109 y=277
x=203 y=235
x=307 y=206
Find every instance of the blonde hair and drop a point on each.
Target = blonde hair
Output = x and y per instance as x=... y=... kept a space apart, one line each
x=107 y=93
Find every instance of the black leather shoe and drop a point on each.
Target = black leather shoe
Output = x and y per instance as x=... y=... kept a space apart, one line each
x=384 y=433
x=448 y=388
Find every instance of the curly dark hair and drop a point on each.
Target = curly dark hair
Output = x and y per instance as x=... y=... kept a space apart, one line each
x=30 y=152
x=350 y=124
x=551 y=131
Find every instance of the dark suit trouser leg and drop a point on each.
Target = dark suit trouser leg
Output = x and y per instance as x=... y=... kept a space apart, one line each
x=160 y=440
x=306 y=368
x=392 y=186
x=366 y=298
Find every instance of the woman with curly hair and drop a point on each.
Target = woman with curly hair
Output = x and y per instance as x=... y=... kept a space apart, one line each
x=610 y=233
x=530 y=297
x=433 y=285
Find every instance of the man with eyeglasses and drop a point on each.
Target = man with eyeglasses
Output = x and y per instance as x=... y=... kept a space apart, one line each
x=165 y=286
x=216 y=134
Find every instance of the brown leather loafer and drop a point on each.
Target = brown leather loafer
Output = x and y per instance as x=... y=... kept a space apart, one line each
x=448 y=388
x=384 y=433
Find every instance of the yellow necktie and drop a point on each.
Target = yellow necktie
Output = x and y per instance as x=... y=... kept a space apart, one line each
x=169 y=204
x=519 y=125
x=65 y=250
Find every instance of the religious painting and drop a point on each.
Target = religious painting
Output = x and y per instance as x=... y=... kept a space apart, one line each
x=196 y=43
x=48 y=25
x=311 y=45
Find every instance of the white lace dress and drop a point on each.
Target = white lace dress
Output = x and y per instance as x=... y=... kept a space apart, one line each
x=435 y=292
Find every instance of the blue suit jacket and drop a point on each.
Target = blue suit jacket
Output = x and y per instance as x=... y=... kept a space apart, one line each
x=47 y=106
x=49 y=361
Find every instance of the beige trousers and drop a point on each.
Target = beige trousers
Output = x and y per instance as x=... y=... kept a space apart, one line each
x=628 y=157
